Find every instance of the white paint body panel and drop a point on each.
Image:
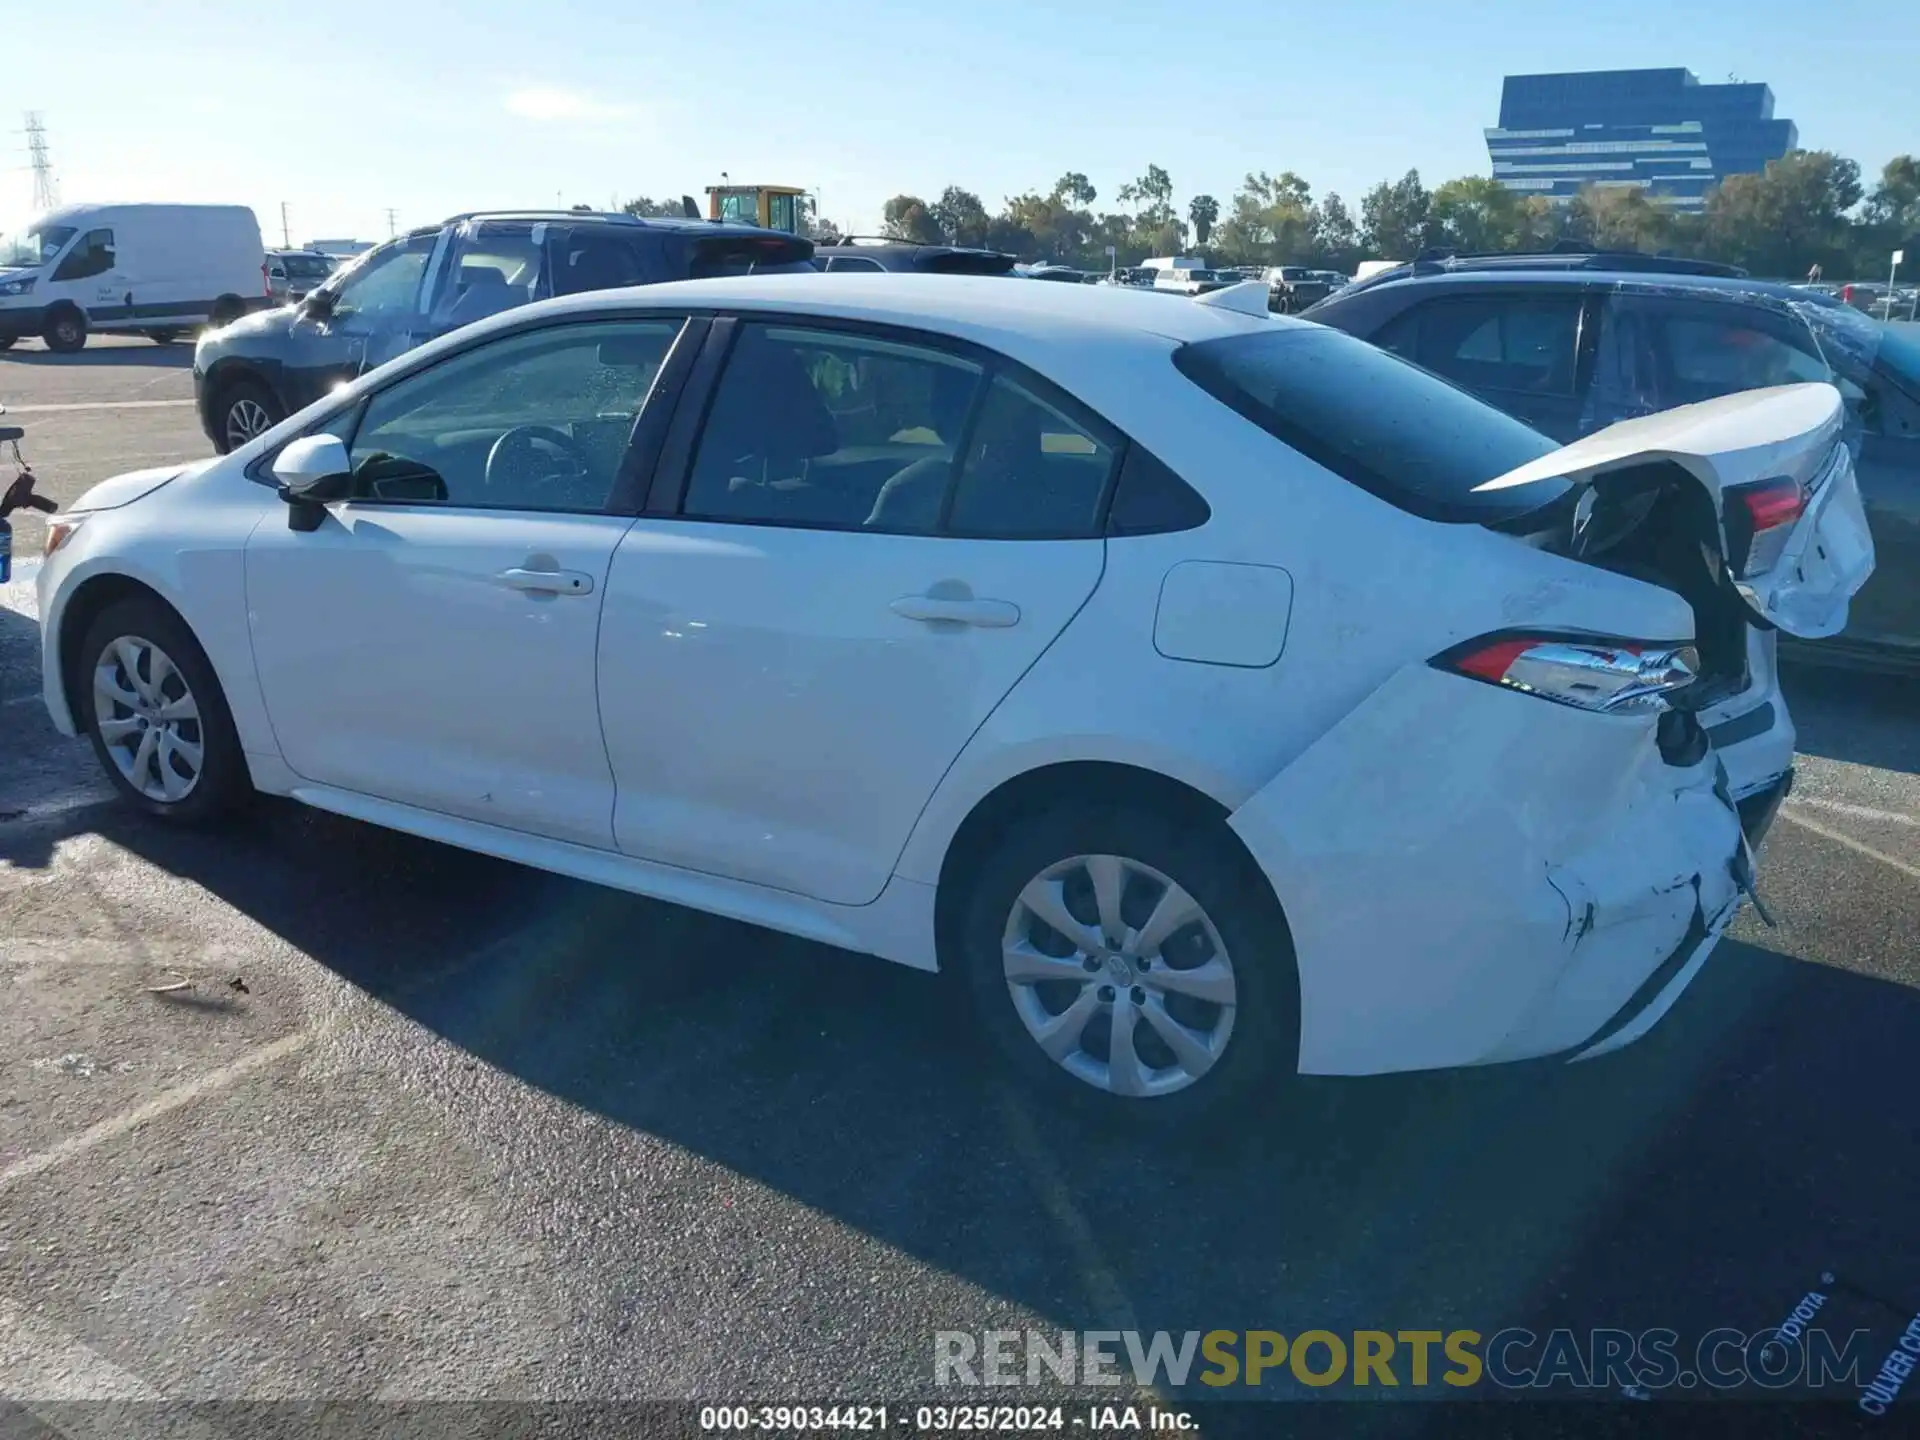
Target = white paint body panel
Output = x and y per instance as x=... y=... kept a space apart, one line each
x=734 y=718
x=772 y=719
x=395 y=661
x=1223 y=614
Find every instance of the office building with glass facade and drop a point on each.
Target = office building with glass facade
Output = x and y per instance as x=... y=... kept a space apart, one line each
x=1657 y=130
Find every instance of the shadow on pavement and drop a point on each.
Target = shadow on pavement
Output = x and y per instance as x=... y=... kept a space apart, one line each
x=175 y=356
x=1854 y=716
x=1698 y=1179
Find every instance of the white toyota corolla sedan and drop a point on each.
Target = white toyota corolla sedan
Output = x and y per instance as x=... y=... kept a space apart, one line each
x=1216 y=696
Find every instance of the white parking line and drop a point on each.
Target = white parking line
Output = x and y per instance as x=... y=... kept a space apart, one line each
x=164 y=1103
x=1854 y=812
x=40 y=1363
x=72 y=405
x=1852 y=844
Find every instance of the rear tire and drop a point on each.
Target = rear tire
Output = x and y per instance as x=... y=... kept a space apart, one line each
x=7 y=342
x=226 y=310
x=153 y=708
x=66 y=330
x=163 y=337
x=246 y=408
x=1192 y=1056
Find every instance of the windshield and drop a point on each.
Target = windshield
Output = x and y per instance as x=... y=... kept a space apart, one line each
x=349 y=268
x=34 y=247
x=1371 y=418
x=306 y=267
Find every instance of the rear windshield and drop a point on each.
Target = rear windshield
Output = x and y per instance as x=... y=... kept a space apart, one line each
x=750 y=255
x=1389 y=427
x=969 y=262
x=307 y=267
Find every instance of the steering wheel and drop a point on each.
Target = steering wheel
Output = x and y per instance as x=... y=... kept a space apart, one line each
x=530 y=458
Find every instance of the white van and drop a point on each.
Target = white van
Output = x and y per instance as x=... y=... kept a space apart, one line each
x=154 y=270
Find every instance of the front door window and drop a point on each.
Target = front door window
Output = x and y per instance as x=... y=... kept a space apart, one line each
x=537 y=421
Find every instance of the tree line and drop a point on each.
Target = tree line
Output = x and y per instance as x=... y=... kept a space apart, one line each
x=1808 y=207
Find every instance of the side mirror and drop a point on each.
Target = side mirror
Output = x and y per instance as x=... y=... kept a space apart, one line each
x=318 y=305
x=312 y=471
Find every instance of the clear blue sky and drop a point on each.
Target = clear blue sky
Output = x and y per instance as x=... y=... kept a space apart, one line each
x=433 y=106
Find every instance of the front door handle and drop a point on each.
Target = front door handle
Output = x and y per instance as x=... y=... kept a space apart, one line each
x=547 y=582
x=989 y=614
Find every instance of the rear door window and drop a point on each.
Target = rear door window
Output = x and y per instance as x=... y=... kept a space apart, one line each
x=1518 y=344
x=825 y=429
x=1033 y=468
x=1406 y=436
x=1699 y=349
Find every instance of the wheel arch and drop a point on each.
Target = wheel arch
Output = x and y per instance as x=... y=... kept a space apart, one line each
x=92 y=596
x=222 y=376
x=1071 y=782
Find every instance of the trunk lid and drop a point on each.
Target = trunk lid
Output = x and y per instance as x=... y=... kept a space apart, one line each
x=1782 y=524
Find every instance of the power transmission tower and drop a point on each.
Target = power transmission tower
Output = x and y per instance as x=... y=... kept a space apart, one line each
x=46 y=193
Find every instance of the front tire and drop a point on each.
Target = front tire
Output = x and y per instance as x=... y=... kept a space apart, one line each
x=163 y=337
x=1131 y=963
x=246 y=409
x=151 y=704
x=66 y=331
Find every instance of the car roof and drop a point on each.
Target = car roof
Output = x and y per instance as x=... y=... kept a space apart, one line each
x=959 y=304
x=676 y=223
x=1730 y=286
x=1060 y=330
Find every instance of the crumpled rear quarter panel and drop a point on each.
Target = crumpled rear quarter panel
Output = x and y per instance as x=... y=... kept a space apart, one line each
x=1472 y=874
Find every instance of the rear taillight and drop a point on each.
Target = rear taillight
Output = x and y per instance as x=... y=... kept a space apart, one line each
x=1587 y=672
x=1760 y=517
x=266 y=283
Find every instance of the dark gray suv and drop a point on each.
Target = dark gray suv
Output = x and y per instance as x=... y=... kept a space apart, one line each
x=257 y=371
x=1570 y=348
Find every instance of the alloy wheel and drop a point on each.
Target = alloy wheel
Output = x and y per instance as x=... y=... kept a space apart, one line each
x=1119 y=976
x=148 y=719
x=246 y=418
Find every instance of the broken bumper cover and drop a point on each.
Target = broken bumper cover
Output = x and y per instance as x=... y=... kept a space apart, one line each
x=1472 y=875
x=1759 y=810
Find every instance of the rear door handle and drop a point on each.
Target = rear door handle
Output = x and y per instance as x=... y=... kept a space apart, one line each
x=989 y=614
x=547 y=582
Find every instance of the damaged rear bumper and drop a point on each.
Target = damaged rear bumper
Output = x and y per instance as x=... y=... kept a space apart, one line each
x=1472 y=876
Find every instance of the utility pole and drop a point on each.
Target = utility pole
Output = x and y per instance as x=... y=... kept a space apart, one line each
x=46 y=193
x=391 y=230
x=286 y=233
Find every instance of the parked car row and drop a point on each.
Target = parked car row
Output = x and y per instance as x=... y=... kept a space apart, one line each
x=1154 y=666
x=1571 y=347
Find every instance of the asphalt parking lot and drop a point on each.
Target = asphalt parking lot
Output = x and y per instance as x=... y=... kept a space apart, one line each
x=304 y=1109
